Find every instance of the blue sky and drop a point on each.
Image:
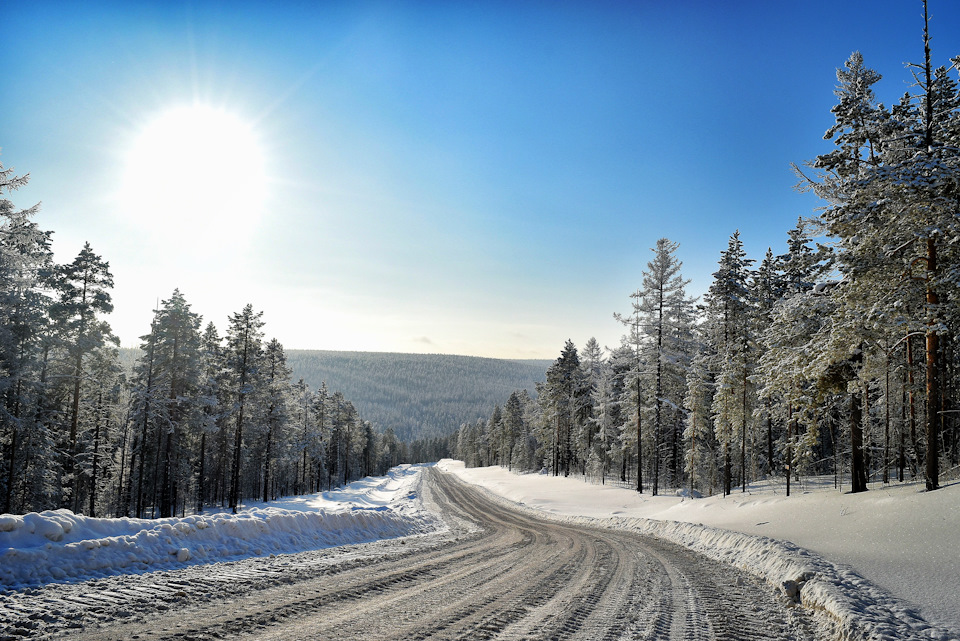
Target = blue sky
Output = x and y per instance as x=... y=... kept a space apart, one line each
x=482 y=178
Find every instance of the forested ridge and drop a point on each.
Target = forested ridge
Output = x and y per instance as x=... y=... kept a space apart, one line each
x=418 y=395
x=838 y=357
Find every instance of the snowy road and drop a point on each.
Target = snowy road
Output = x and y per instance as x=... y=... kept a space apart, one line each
x=498 y=573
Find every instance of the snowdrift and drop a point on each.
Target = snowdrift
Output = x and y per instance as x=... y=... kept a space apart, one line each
x=59 y=545
x=861 y=610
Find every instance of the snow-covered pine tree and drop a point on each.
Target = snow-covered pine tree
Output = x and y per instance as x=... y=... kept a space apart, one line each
x=525 y=448
x=512 y=428
x=211 y=469
x=101 y=414
x=244 y=354
x=82 y=295
x=729 y=302
x=25 y=260
x=663 y=299
x=275 y=412
x=566 y=392
x=700 y=435
x=892 y=186
x=320 y=445
x=178 y=354
x=633 y=395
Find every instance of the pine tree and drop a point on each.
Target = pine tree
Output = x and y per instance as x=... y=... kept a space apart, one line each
x=82 y=295
x=663 y=298
x=276 y=377
x=699 y=434
x=25 y=262
x=729 y=302
x=633 y=393
x=100 y=419
x=211 y=390
x=892 y=186
x=566 y=393
x=178 y=352
x=243 y=362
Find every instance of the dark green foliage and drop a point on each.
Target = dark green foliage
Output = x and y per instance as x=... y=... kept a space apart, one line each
x=419 y=396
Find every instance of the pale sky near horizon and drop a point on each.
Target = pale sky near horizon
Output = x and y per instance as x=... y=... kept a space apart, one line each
x=479 y=178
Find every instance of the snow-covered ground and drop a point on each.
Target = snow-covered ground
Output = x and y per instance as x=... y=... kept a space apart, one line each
x=886 y=563
x=903 y=541
x=59 y=545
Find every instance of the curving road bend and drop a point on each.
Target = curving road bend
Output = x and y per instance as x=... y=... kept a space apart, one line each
x=500 y=573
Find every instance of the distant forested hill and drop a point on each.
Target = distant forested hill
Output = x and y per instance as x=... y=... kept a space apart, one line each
x=418 y=395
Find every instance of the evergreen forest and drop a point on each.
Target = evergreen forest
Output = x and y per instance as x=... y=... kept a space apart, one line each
x=420 y=396
x=838 y=357
x=191 y=419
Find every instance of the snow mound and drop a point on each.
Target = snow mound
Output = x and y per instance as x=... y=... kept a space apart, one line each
x=58 y=545
x=862 y=610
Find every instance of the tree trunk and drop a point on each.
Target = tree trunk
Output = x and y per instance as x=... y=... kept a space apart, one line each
x=155 y=496
x=886 y=421
x=166 y=507
x=235 y=470
x=74 y=423
x=743 y=425
x=8 y=493
x=933 y=389
x=789 y=453
x=693 y=449
x=200 y=474
x=914 y=441
x=266 y=465
x=727 y=482
x=123 y=486
x=769 y=443
x=858 y=475
x=96 y=451
x=639 y=440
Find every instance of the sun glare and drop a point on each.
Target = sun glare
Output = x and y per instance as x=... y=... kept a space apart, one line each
x=195 y=170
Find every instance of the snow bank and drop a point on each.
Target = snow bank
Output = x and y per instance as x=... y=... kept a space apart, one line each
x=829 y=519
x=862 y=610
x=39 y=548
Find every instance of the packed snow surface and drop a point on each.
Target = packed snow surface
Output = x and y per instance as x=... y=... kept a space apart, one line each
x=886 y=562
x=58 y=545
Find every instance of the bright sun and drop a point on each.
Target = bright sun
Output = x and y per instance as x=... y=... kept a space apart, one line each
x=195 y=170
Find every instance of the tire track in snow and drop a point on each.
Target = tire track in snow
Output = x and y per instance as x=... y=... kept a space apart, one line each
x=511 y=576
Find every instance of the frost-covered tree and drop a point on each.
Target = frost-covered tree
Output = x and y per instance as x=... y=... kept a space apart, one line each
x=212 y=388
x=729 y=301
x=82 y=296
x=699 y=435
x=168 y=408
x=892 y=185
x=244 y=356
x=663 y=305
x=178 y=353
x=101 y=415
x=25 y=262
x=606 y=394
x=275 y=408
x=566 y=394
x=633 y=394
